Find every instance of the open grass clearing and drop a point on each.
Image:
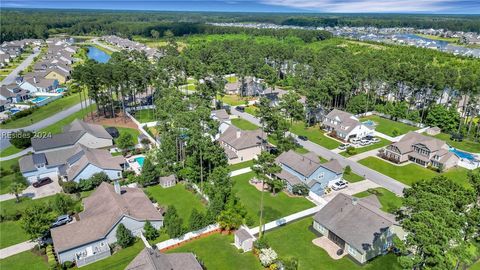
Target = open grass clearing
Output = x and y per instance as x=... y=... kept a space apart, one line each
x=11 y=233
x=241 y=165
x=218 y=253
x=389 y=127
x=145 y=116
x=244 y=124
x=24 y=260
x=353 y=177
x=383 y=142
x=183 y=200
x=314 y=134
x=275 y=206
x=233 y=100
x=390 y=202
x=295 y=239
x=9 y=151
x=465 y=145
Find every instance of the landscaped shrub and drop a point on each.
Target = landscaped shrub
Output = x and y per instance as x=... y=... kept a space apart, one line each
x=267 y=256
x=261 y=243
x=67 y=265
x=149 y=231
x=69 y=187
x=351 y=150
x=124 y=236
x=21 y=139
x=300 y=189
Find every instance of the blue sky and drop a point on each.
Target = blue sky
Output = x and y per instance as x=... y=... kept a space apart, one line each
x=332 y=6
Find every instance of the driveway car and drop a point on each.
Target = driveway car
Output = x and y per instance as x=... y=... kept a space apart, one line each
x=240 y=109
x=61 y=220
x=42 y=182
x=339 y=185
x=303 y=138
x=343 y=146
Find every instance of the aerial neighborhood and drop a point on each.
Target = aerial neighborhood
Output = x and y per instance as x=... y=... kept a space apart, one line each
x=177 y=140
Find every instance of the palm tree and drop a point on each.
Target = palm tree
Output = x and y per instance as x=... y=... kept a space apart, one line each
x=15 y=189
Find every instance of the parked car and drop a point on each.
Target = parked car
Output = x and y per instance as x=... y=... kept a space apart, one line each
x=375 y=140
x=61 y=220
x=42 y=182
x=46 y=239
x=303 y=138
x=365 y=142
x=343 y=146
x=240 y=109
x=339 y=185
x=355 y=141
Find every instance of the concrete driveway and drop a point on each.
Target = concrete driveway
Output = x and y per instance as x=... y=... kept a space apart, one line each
x=352 y=189
x=43 y=191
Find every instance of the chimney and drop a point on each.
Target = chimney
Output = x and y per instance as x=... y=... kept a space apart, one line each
x=116 y=185
x=239 y=133
x=354 y=201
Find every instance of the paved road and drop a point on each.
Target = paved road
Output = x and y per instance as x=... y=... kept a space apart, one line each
x=381 y=179
x=19 y=154
x=4 y=143
x=11 y=77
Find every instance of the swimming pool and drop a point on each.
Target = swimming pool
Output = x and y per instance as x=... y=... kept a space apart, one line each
x=60 y=90
x=369 y=123
x=39 y=99
x=14 y=110
x=462 y=154
x=140 y=161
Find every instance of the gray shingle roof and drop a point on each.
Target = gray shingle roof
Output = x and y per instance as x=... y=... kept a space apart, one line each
x=334 y=166
x=347 y=122
x=242 y=139
x=290 y=178
x=56 y=140
x=243 y=234
x=356 y=221
x=412 y=137
x=103 y=209
x=150 y=259
x=96 y=130
x=303 y=164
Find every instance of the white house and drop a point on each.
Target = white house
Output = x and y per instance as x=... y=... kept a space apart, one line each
x=345 y=126
x=243 y=239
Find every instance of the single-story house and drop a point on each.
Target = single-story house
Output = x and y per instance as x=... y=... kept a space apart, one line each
x=243 y=239
x=71 y=164
x=168 y=181
x=345 y=126
x=241 y=145
x=87 y=240
x=306 y=169
x=421 y=149
x=153 y=259
x=357 y=226
x=77 y=132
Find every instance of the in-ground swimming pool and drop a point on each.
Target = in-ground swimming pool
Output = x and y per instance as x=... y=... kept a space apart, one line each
x=462 y=154
x=39 y=99
x=369 y=123
x=140 y=161
x=14 y=110
x=60 y=90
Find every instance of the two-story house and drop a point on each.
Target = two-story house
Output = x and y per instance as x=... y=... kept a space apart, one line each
x=241 y=145
x=345 y=126
x=306 y=169
x=421 y=149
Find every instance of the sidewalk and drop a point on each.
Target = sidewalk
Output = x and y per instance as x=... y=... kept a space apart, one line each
x=240 y=171
x=19 y=154
x=15 y=249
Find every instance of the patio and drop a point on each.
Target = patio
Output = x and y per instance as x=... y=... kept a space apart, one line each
x=330 y=247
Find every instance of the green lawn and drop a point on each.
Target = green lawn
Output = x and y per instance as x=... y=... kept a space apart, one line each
x=45 y=111
x=119 y=260
x=183 y=200
x=383 y=142
x=410 y=173
x=387 y=126
x=232 y=100
x=314 y=134
x=11 y=206
x=244 y=124
x=275 y=207
x=240 y=165
x=295 y=239
x=353 y=177
x=11 y=233
x=134 y=132
x=465 y=145
x=58 y=126
x=253 y=110
x=8 y=163
x=232 y=79
x=6 y=181
x=217 y=253
x=390 y=202
x=144 y=116
x=9 y=151
x=24 y=260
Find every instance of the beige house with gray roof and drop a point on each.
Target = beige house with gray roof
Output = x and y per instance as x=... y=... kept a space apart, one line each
x=87 y=240
x=357 y=226
x=421 y=149
x=241 y=145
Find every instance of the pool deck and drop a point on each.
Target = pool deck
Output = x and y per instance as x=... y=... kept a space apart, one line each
x=133 y=164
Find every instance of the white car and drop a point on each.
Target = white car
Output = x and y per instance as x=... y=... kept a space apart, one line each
x=343 y=146
x=364 y=142
x=355 y=141
x=340 y=185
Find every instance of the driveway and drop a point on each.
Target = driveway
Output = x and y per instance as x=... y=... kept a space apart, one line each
x=352 y=189
x=376 y=177
x=11 y=77
x=37 y=193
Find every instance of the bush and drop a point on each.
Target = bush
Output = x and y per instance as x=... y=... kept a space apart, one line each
x=67 y=265
x=348 y=170
x=351 y=150
x=21 y=139
x=124 y=236
x=69 y=187
x=300 y=189
x=261 y=243
x=149 y=231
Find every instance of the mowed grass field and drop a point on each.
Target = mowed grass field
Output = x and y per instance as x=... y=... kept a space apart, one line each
x=244 y=124
x=314 y=134
x=388 y=127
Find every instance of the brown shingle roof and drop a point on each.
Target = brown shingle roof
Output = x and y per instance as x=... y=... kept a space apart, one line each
x=242 y=139
x=150 y=259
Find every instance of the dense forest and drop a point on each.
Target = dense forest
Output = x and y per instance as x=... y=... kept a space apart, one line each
x=20 y=23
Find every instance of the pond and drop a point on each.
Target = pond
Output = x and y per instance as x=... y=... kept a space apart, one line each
x=97 y=55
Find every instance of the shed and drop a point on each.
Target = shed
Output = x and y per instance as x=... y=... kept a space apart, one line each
x=433 y=131
x=168 y=181
x=243 y=239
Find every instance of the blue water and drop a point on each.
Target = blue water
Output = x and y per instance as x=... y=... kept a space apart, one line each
x=140 y=161
x=97 y=55
x=39 y=99
x=60 y=90
x=14 y=111
x=369 y=123
x=462 y=154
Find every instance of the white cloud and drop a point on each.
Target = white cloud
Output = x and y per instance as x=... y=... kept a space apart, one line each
x=359 y=6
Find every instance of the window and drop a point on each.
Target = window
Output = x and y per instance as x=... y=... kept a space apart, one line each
x=320 y=175
x=352 y=251
x=119 y=174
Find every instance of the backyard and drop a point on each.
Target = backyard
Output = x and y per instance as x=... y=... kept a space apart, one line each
x=217 y=253
x=410 y=173
x=240 y=165
x=275 y=207
x=132 y=131
x=465 y=145
x=24 y=260
x=232 y=100
x=389 y=127
x=311 y=256
x=145 y=116
x=390 y=202
x=119 y=260
x=244 y=124
x=183 y=200
x=11 y=233
x=314 y=134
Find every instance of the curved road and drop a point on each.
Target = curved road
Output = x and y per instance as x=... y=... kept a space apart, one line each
x=4 y=143
x=376 y=177
x=11 y=77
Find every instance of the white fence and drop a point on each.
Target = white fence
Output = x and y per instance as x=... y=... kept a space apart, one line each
x=140 y=127
x=405 y=121
x=188 y=236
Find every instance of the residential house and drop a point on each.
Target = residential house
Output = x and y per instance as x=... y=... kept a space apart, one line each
x=421 y=149
x=153 y=259
x=37 y=83
x=87 y=240
x=243 y=239
x=57 y=73
x=357 y=226
x=306 y=169
x=11 y=93
x=78 y=132
x=3 y=105
x=221 y=116
x=167 y=181
x=241 y=145
x=71 y=164
x=249 y=86
x=274 y=95
x=345 y=126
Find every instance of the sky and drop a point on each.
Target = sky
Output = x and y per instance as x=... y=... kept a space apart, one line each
x=320 y=6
